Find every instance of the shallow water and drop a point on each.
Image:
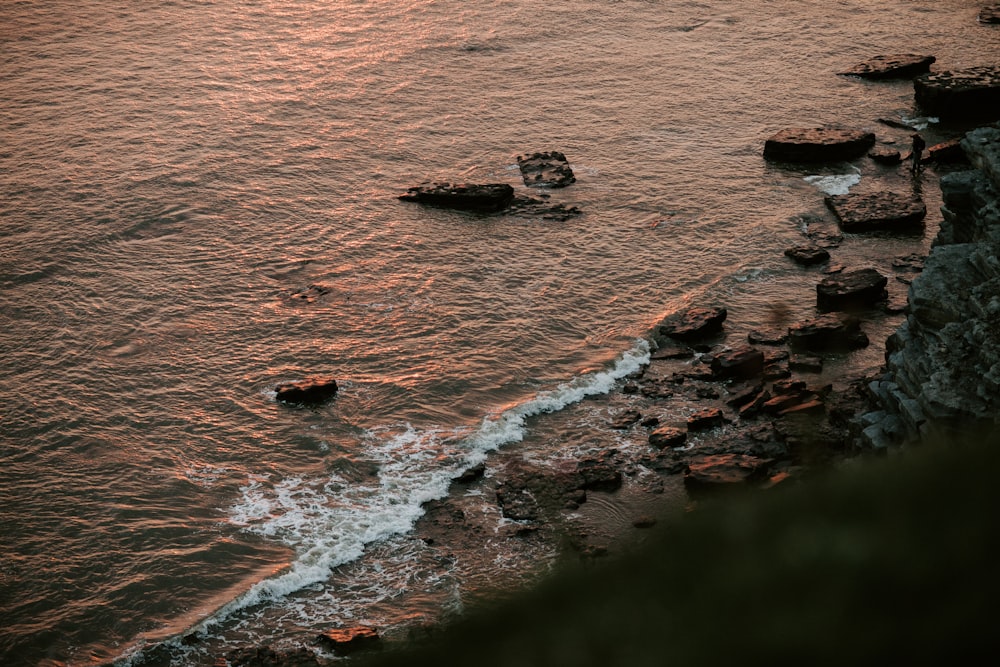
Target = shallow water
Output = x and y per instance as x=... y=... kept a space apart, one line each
x=173 y=177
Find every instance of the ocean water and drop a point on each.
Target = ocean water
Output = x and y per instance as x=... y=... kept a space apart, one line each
x=178 y=179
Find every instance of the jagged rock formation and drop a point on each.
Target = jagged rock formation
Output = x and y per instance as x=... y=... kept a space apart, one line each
x=943 y=364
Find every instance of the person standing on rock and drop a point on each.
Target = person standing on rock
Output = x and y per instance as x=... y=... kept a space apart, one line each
x=916 y=153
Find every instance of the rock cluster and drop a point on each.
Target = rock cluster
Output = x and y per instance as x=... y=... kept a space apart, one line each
x=943 y=364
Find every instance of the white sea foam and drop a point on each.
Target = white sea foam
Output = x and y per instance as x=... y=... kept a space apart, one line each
x=834 y=184
x=328 y=522
x=921 y=122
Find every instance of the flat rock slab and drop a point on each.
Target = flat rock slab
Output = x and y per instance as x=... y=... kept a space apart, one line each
x=885 y=155
x=310 y=391
x=898 y=66
x=742 y=362
x=723 y=470
x=865 y=212
x=807 y=255
x=990 y=14
x=851 y=289
x=827 y=333
x=818 y=144
x=464 y=196
x=694 y=323
x=966 y=93
x=545 y=170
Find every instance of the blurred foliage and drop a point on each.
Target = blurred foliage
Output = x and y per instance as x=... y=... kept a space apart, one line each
x=884 y=561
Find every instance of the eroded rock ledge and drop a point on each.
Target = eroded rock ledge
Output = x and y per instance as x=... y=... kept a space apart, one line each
x=943 y=364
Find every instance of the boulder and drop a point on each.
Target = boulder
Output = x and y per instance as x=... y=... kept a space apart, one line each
x=966 y=93
x=865 y=212
x=767 y=336
x=703 y=420
x=817 y=144
x=545 y=169
x=347 y=640
x=465 y=197
x=898 y=66
x=667 y=437
x=851 y=289
x=742 y=361
x=825 y=333
x=885 y=155
x=598 y=474
x=990 y=14
x=694 y=323
x=310 y=391
x=721 y=471
x=807 y=255
x=947 y=152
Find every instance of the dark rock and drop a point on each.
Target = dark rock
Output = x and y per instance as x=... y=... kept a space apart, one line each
x=967 y=93
x=472 y=474
x=599 y=475
x=860 y=212
x=694 y=323
x=348 y=640
x=670 y=350
x=767 y=337
x=775 y=356
x=466 y=197
x=545 y=169
x=705 y=419
x=744 y=394
x=805 y=363
x=311 y=391
x=776 y=372
x=630 y=388
x=787 y=387
x=817 y=145
x=829 y=332
x=650 y=422
x=899 y=66
x=810 y=407
x=852 y=289
x=544 y=209
x=667 y=437
x=720 y=471
x=741 y=362
x=947 y=152
x=885 y=155
x=516 y=501
x=752 y=407
x=807 y=255
x=990 y=14
x=626 y=419
x=781 y=403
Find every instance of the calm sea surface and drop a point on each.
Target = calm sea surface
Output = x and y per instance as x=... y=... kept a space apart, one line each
x=171 y=178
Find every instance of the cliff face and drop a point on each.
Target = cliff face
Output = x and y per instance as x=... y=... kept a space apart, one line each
x=943 y=364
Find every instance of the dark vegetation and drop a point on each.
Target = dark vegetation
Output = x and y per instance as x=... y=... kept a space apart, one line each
x=887 y=561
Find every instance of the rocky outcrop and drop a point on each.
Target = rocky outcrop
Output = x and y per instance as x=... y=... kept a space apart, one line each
x=693 y=323
x=489 y=197
x=943 y=364
x=817 y=144
x=865 y=212
x=851 y=290
x=897 y=66
x=965 y=93
x=545 y=169
x=311 y=391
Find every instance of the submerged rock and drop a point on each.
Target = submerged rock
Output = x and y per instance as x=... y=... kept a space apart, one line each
x=818 y=144
x=897 y=66
x=877 y=211
x=807 y=255
x=309 y=391
x=545 y=169
x=465 y=197
x=827 y=333
x=851 y=289
x=966 y=93
x=694 y=323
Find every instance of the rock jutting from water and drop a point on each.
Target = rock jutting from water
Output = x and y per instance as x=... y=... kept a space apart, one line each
x=818 y=144
x=310 y=391
x=830 y=332
x=693 y=323
x=864 y=212
x=849 y=290
x=490 y=197
x=549 y=169
x=943 y=363
x=807 y=255
x=963 y=93
x=897 y=66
